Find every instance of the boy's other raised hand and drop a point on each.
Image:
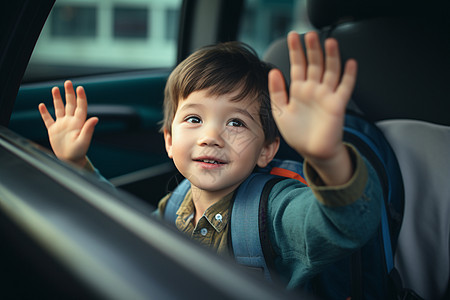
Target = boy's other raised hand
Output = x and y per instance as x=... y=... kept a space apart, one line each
x=311 y=118
x=69 y=133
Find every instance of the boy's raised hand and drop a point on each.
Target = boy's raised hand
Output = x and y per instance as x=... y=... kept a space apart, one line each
x=70 y=134
x=311 y=118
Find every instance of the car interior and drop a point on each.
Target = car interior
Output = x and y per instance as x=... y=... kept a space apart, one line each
x=402 y=49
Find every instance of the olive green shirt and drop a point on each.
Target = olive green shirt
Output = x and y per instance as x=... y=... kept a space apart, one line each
x=211 y=230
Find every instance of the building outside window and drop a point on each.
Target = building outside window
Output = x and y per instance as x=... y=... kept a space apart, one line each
x=74 y=21
x=131 y=22
x=83 y=37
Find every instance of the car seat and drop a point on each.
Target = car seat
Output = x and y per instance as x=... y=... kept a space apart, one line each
x=403 y=55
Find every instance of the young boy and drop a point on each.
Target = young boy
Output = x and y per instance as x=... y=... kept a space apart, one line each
x=218 y=127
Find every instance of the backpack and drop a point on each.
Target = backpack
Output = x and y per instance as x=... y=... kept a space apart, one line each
x=368 y=273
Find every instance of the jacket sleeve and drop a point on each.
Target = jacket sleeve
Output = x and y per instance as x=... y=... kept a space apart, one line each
x=315 y=225
x=96 y=173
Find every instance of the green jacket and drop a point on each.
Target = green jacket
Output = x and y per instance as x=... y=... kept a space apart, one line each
x=309 y=226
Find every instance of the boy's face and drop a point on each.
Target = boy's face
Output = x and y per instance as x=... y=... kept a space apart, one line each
x=215 y=142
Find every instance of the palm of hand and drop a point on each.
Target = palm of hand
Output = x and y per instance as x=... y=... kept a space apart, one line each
x=311 y=119
x=65 y=138
x=70 y=134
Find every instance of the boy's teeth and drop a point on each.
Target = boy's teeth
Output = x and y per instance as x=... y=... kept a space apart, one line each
x=209 y=161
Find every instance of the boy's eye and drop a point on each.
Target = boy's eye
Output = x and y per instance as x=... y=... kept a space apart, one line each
x=193 y=120
x=236 y=123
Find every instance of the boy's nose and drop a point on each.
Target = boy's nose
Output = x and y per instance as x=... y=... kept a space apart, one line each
x=211 y=137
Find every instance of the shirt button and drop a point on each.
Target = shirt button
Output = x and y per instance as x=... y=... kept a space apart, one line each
x=219 y=217
x=203 y=231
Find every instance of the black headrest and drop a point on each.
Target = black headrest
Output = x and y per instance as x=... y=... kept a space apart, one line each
x=323 y=13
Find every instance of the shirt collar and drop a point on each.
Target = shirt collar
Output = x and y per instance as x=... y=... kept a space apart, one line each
x=217 y=214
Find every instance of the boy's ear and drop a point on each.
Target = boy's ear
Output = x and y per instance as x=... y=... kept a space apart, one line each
x=168 y=142
x=268 y=153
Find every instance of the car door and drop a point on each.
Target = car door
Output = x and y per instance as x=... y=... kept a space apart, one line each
x=65 y=235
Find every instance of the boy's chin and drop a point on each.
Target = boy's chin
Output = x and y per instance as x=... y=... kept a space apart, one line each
x=207 y=186
x=215 y=187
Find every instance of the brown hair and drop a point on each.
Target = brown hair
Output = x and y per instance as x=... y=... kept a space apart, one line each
x=222 y=69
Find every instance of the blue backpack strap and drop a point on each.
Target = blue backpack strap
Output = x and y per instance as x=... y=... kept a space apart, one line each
x=371 y=143
x=248 y=232
x=175 y=200
x=383 y=159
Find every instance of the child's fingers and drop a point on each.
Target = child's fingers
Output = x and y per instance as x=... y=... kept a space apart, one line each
x=345 y=88
x=296 y=57
x=315 y=57
x=46 y=117
x=70 y=98
x=332 y=64
x=277 y=91
x=81 y=109
x=57 y=103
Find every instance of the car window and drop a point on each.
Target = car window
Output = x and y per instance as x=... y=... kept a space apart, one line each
x=86 y=37
x=266 y=20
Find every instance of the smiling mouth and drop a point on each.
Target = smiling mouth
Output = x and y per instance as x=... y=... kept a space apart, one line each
x=210 y=161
